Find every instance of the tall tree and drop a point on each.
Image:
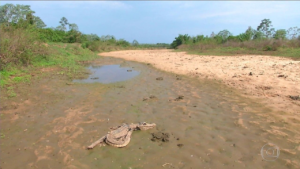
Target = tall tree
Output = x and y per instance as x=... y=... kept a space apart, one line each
x=38 y=22
x=250 y=32
x=293 y=32
x=224 y=34
x=265 y=28
x=63 y=23
x=10 y=13
x=19 y=14
x=135 y=43
x=6 y=13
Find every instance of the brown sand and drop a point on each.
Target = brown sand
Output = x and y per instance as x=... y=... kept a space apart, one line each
x=52 y=120
x=267 y=78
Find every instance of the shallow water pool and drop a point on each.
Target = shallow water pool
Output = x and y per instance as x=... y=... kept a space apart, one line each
x=109 y=74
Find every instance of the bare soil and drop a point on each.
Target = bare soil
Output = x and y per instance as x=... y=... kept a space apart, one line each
x=52 y=120
x=275 y=81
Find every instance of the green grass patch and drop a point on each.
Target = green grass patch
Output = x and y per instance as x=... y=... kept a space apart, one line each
x=2 y=135
x=289 y=52
x=66 y=56
x=25 y=78
x=12 y=75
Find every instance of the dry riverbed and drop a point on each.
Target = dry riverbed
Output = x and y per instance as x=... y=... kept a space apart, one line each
x=273 y=80
x=201 y=123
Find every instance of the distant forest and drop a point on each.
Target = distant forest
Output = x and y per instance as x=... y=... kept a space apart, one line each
x=264 y=38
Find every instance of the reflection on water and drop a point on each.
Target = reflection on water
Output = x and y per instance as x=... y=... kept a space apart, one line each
x=109 y=74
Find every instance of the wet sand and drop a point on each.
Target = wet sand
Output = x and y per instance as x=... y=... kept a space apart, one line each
x=52 y=121
x=271 y=80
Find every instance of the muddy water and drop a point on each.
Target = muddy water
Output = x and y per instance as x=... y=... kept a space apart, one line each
x=108 y=74
x=52 y=123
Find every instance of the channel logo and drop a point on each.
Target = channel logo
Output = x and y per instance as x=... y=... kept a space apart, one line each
x=270 y=152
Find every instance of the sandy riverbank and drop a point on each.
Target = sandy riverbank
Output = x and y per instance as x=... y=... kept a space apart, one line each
x=271 y=79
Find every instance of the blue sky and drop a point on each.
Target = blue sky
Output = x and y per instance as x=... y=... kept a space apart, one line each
x=162 y=21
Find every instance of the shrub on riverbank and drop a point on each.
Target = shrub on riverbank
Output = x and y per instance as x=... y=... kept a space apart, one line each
x=19 y=46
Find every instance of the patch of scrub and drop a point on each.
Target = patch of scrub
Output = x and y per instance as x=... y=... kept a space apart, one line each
x=109 y=74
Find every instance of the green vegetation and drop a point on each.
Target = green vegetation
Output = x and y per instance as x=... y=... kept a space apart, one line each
x=2 y=135
x=136 y=44
x=66 y=56
x=28 y=45
x=25 y=39
x=264 y=41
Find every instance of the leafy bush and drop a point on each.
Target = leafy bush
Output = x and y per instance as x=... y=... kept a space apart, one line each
x=93 y=46
x=51 y=35
x=181 y=39
x=122 y=43
x=19 y=46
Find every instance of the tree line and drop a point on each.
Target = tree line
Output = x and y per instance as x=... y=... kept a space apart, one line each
x=24 y=35
x=263 y=32
x=21 y=16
